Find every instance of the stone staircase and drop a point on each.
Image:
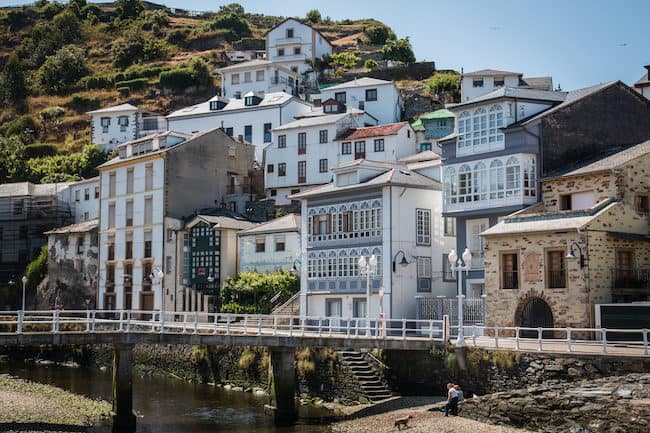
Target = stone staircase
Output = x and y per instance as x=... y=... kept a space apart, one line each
x=372 y=384
x=290 y=308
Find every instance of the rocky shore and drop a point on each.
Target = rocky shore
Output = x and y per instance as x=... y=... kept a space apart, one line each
x=31 y=407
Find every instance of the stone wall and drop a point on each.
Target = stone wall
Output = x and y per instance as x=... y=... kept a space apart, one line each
x=616 y=404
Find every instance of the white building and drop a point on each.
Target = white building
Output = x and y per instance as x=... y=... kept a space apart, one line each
x=303 y=151
x=292 y=43
x=259 y=77
x=378 y=98
x=144 y=194
x=251 y=118
x=111 y=126
x=270 y=246
x=479 y=83
x=376 y=208
x=643 y=85
x=84 y=199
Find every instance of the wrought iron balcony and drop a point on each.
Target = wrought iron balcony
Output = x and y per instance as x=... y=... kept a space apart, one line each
x=510 y=280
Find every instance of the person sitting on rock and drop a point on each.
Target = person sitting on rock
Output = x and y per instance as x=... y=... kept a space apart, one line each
x=452 y=400
x=461 y=395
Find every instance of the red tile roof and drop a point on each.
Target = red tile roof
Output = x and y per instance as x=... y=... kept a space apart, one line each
x=373 y=131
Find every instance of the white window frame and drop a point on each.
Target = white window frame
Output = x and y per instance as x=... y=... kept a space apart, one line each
x=423 y=226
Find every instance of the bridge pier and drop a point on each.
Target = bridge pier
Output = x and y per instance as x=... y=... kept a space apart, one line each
x=282 y=385
x=123 y=416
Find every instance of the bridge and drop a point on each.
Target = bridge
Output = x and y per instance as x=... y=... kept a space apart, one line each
x=281 y=334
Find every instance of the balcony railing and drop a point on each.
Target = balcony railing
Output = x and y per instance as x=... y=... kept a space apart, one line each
x=630 y=278
x=430 y=308
x=515 y=199
x=510 y=280
x=357 y=234
x=556 y=279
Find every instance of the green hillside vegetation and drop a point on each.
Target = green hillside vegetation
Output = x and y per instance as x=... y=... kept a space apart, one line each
x=58 y=61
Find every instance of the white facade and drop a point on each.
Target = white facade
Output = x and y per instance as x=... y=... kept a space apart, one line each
x=372 y=208
x=84 y=199
x=479 y=83
x=259 y=77
x=121 y=123
x=329 y=140
x=292 y=43
x=643 y=85
x=252 y=122
x=378 y=98
x=271 y=246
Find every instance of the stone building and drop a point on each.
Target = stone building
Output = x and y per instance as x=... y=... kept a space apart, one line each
x=586 y=243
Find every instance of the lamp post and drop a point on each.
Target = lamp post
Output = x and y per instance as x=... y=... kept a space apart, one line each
x=369 y=269
x=24 y=280
x=295 y=266
x=403 y=263
x=458 y=266
x=157 y=278
x=571 y=255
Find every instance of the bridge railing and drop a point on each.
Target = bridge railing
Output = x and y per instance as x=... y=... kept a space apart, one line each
x=79 y=321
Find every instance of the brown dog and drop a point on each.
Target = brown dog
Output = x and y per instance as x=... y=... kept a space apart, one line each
x=403 y=422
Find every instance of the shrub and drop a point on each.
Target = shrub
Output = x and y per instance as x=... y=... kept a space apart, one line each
x=370 y=64
x=313 y=16
x=344 y=59
x=128 y=8
x=252 y=291
x=98 y=82
x=158 y=18
x=62 y=70
x=12 y=155
x=36 y=270
x=124 y=91
x=23 y=127
x=135 y=84
x=13 y=85
x=49 y=10
x=134 y=72
x=399 y=50
x=68 y=26
x=40 y=150
x=82 y=103
x=135 y=46
x=378 y=35
x=51 y=113
x=44 y=41
x=445 y=82
x=178 y=36
x=247 y=359
x=196 y=74
x=236 y=24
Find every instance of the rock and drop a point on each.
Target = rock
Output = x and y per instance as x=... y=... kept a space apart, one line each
x=553 y=368
x=237 y=388
x=227 y=387
x=575 y=372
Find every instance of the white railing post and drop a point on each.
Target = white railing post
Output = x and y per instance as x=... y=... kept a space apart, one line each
x=228 y=324
x=604 y=334
x=19 y=326
x=291 y=319
x=539 y=339
x=517 y=338
x=275 y=325
x=153 y=321
x=162 y=322
x=645 y=342
x=496 y=337
x=347 y=328
x=320 y=326
x=302 y=325
x=568 y=339
x=196 y=322
x=474 y=335
x=430 y=329
x=87 y=320
x=329 y=326
x=445 y=329
x=94 y=314
x=259 y=324
x=216 y=323
x=55 y=327
x=245 y=324
x=128 y=321
x=184 y=322
x=403 y=329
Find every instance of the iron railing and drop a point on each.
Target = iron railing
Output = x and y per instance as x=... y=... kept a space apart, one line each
x=631 y=278
x=430 y=308
x=556 y=279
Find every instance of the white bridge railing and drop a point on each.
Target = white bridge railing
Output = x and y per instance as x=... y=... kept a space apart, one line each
x=600 y=341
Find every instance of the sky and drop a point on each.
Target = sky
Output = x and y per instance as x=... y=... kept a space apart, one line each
x=578 y=42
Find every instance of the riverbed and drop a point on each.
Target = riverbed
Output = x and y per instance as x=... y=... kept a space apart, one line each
x=166 y=405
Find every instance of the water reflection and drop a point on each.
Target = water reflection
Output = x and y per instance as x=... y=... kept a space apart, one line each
x=171 y=406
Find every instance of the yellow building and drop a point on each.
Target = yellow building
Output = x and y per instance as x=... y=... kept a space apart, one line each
x=586 y=243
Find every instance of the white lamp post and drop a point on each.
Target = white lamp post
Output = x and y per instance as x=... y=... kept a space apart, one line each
x=24 y=280
x=157 y=278
x=369 y=269
x=458 y=266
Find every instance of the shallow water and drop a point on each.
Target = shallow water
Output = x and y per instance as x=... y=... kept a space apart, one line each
x=172 y=406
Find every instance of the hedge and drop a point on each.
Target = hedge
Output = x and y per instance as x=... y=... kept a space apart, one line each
x=81 y=103
x=40 y=150
x=98 y=82
x=136 y=84
x=124 y=91
x=177 y=79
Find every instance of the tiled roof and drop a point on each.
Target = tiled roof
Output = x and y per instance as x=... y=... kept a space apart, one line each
x=443 y=113
x=82 y=227
x=613 y=161
x=359 y=82
x=373 y=131
x=224 y=220
x=285 y=223
x=269 y=100
x=489 y=73
x=114 y=109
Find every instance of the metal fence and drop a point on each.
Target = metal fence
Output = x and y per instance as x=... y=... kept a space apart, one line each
x=430 y=308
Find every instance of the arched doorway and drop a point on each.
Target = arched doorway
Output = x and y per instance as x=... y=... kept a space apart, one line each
x=535 y=313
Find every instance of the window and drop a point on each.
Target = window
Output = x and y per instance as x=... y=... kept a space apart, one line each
x=362 y=105
x=259 y=75
x=80 y=245
x=279 y=243
x=289 y=33
x=379 y=145
x=129 y=213
x=230 y=132
x=96 y=192
x=447 y=273
x=77 y=196
x=474 y=228
x=296 y=50
x=123 y=121
x=423 y=226
x=371 y=94
x=322 y=136
x=359 y=307
x=234 y=79
x=450 y=226
x=509 y=270
x=217 y=105
x=260 y=244
x=333 y=308
x=247 y=77
x=642 y=204
x=248 y=133
x=86 y=216
x=477 y=82
x=530 y=186
x=168 y=264
x=499 y=82
x=274 y=192
x=280 y=52
x=267 y=132
x=110 y=275
x=302 y=171
x=86 y=194
x=624 y=273
x=424 y=274
x=282 y=169
x=112 y=181
x=148 y=177
x=513 y=171
x=282 y=141
x=238 y=94
x=269 y=168
x=147 y=245
x=148 y=210
x=105 y=122
x=576 y=201
x=555 y=269
x=110 y=247
x=346 y=148
x=331 y=108
x=129 y=181
x=111 y=215
x=322 y=165
x=359 y=149
x=302 y=143
x=340 y=97
x=128 y=246
x=479 y=131
x=170 y=235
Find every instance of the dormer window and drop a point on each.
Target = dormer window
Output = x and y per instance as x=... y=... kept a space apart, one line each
x=251 y=100
x=123 y=121
x=216 y=105
x=330 y=108
x=105 y=123
x=499 y=82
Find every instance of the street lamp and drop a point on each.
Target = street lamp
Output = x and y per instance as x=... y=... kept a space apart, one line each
x=403 y=263
x=295 y=267
x=572 y=255
x=24 y=280
x=369 y=269
x=458 y=266
x=157 y=278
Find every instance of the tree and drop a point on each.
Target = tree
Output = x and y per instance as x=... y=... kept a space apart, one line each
x=370 y=64
x=237 y=25
x=344 y=59
x=399 y=50
x=234 y=8
x=378 y=35
x=44 y=41
x=50 y=117
x=127 y=9
x=445 y=82
x=200 y=72
x=62 y=70
x=135 y=46
x=13 y=81
x=252 y=292
x=313 y=16
x=68 y=26
x=12 y=155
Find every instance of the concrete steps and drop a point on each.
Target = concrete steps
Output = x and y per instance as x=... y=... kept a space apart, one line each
x=372 y=385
